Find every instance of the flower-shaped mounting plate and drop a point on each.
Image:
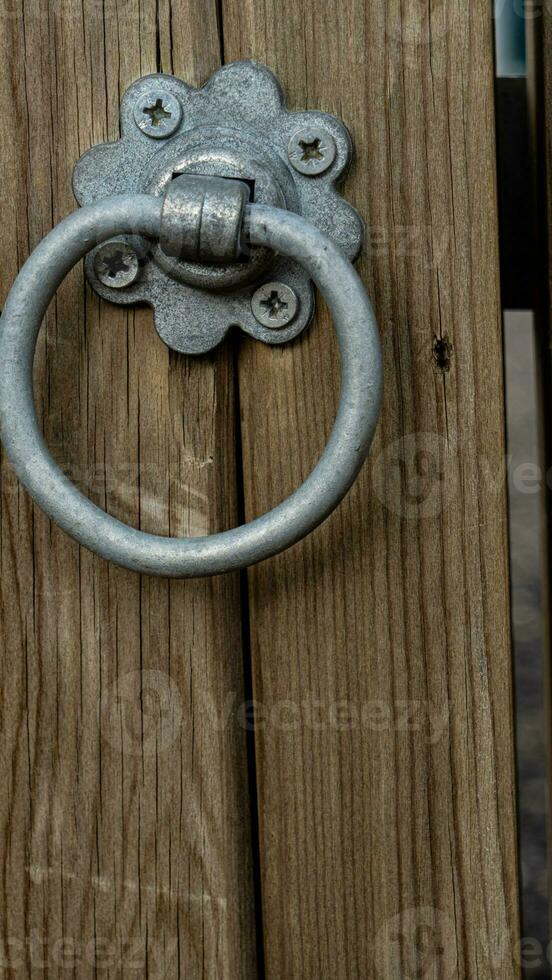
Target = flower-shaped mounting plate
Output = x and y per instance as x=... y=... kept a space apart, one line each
x=236 y=126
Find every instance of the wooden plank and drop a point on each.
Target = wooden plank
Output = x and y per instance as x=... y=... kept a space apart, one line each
x=124 y=816
x=380 y=646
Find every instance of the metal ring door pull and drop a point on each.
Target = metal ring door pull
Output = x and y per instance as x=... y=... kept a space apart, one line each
x=279 y=230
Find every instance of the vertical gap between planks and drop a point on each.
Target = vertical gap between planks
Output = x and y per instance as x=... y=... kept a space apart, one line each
x=220 y=25
x=249 y=701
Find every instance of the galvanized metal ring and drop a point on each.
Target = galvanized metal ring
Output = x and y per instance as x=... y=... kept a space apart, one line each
x=263 y=537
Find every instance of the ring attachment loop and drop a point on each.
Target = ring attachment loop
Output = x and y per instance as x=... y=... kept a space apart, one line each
x=202 y=218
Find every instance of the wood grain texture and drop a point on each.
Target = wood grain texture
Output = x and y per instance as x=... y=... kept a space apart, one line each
x=124 y=815
x=380 y=646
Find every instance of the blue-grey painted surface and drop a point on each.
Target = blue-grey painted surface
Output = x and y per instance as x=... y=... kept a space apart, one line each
x=526 y=503
x=510 y=37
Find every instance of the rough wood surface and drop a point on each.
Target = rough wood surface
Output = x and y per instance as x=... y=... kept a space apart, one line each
x=124 y=813
x=380 y=646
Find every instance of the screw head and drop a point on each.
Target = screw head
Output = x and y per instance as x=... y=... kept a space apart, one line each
x=157 y=113
x=116 y=264
x=312 y=151
x=274 y=305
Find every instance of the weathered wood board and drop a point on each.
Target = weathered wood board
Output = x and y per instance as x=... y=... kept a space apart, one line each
x=380 y=646
x=124 y=818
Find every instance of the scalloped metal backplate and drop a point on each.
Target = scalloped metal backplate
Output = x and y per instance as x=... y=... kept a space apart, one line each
x=235 y=126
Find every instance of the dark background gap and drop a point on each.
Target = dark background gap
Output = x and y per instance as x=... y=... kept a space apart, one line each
x=520 y=287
